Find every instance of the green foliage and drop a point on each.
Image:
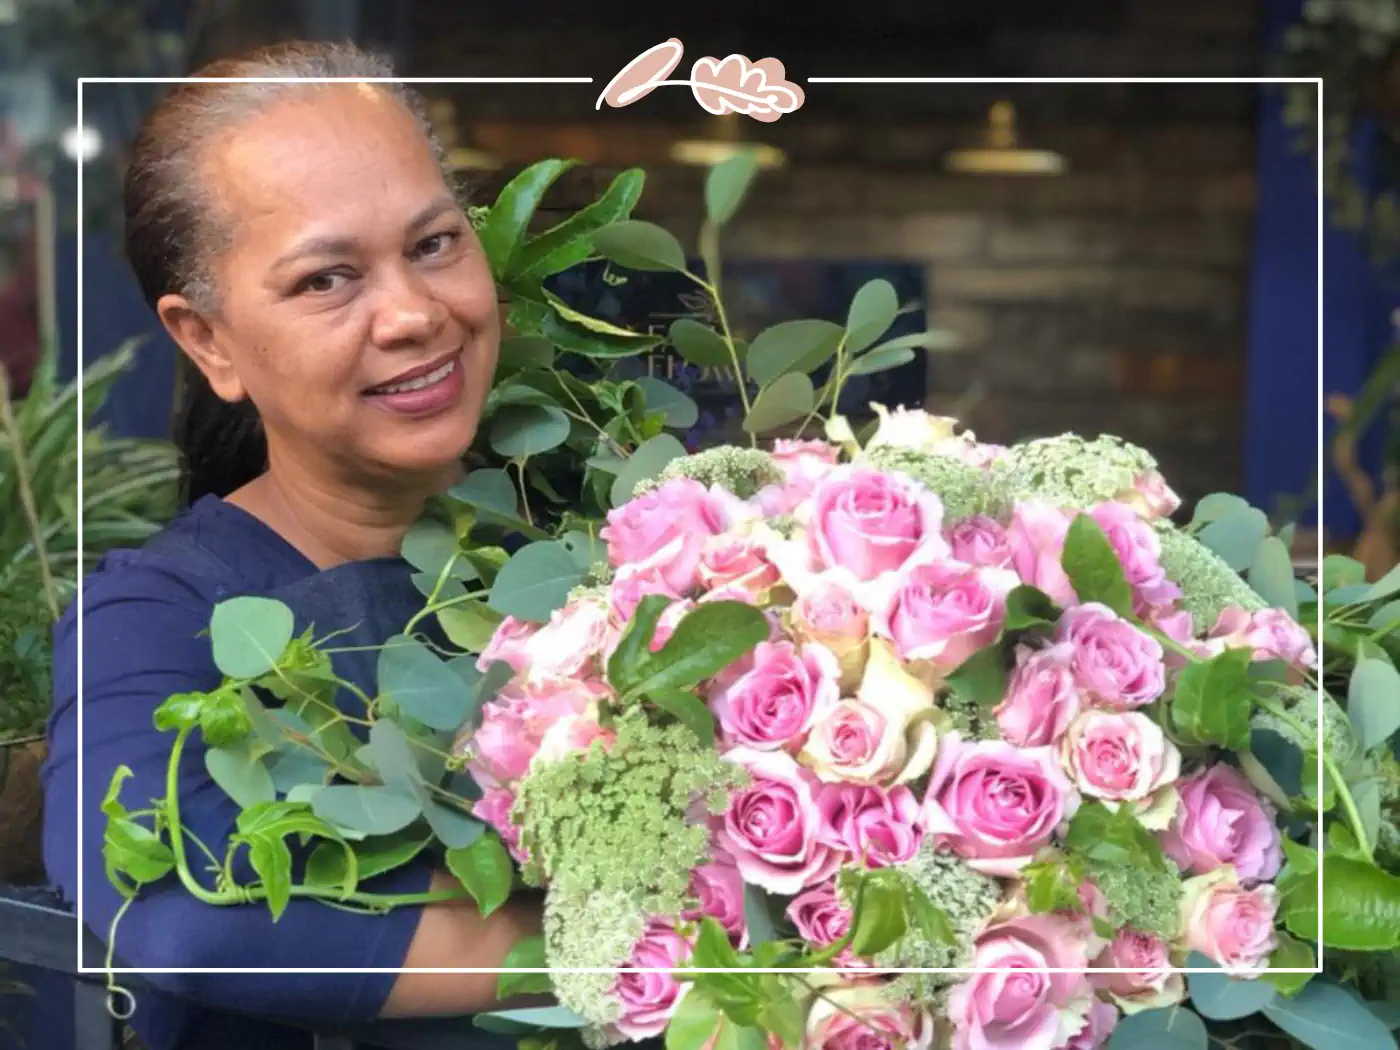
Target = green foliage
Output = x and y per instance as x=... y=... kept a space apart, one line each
x=1211 y=703
x=1093 y=569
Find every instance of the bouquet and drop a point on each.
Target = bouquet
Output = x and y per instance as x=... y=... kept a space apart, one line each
x=929 y=703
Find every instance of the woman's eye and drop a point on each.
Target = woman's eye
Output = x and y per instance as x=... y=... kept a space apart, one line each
x=321 y=283
x=437 y=244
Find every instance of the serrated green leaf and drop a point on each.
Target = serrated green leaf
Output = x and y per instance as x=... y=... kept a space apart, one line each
x=1212 y=703
x=484 y=869
x=707 y=639
x=1093 y=568
x=527 y=954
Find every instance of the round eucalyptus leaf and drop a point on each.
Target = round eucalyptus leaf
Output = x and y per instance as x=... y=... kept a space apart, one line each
x=872 y=311
x=1219 y=997
x=536 y=581
x=789 y=398
x=645 y=462
x=249 y=635
x=679 y=411
x=518 y=431
x=370 y=809
x=1326 y=1016
x=1167 y=1028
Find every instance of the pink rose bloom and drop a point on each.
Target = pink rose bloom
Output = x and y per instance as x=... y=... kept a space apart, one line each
x=1041 y=696
x=803 y=463
x=629 y=587
x=1230 y=925
x=1151 y=496
x=770 y=827
x=995 y=804
x=569 y=645
x=944 y=612
x=719 y=890
x=1121 y=756
x=855 y=742
x=1023 y=1007
x=1152 y=985
x=829 y=614
x=868 y=522
x=820 y=917
x=572 y=734
x=647 y=1000
x=508 y=645
x=1114 y=662
x=737 y=562
x=860 y=1016
x=494 y=807
x=514 y=724
x=1139 y=551
x=1037 y=539
x=665 y=530
x=1271 y=633
x=1099 y=1025
x=1220 y=819
x=980 y=540
x=773 y=704
x=871 y=824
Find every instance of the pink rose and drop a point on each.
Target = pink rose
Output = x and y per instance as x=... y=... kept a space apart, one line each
x=1220 y=819
x=1099 y=1025
x=980 y=540
x=1151 y=496
x=871 y=824
x=773 y=704
x=829 y=615
x=770 y=827
x=1041 y=696
x=1037 y=539
x=1230 y=925
x=647 y=1000
x=944 y=611
x=572 y=734
x=494 y=807
x=820 y=917
x=1271 y=633
x=1023 y=1007
x=995 y=804
x=737 y=562
x=1153 y=983
x=1115 y=663
x=804 y=463
x=860 y=1015
x=665 y=529
x=629 y=587
x=1121 y=756
x=719 y=890
x=514 y=724
x=1139 y=551
x=854 y=741
x=508 y=645
x=869 y=523
x=569 y=645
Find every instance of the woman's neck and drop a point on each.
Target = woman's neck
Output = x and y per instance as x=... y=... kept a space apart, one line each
x=329 y=521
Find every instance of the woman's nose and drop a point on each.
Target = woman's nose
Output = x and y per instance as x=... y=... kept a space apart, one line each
x=408 y=312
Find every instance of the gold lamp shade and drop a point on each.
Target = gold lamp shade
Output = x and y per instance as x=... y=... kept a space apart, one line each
x=1001 y=153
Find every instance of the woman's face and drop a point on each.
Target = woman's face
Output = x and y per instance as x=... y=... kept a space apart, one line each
x=356 y=308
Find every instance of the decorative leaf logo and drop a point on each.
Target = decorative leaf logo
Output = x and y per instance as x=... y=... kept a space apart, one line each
x=733 y=85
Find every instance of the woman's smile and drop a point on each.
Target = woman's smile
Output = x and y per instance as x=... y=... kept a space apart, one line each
x=422 y=391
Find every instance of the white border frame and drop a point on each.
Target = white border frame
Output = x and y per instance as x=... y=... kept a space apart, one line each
x=82 y=81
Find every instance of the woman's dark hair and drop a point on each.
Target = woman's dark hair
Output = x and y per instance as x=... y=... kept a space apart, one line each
x=175 y=228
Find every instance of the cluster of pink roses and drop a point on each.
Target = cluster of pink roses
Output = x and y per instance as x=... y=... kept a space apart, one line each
x=873 y=599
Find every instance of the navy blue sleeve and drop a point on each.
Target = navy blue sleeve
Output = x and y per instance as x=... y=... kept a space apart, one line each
x=141 y=643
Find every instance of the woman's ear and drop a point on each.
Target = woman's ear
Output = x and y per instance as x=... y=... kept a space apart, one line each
x=195 y=336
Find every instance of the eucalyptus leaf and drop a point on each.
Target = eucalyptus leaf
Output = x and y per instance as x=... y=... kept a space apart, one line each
x=640 y=245
x=429 y=545
x=1373 y=702
x=538 y=1017
x=1219 y=997
x=1166 y=1028
x=681 y=413
x=1384 y=587
x=522 y=352
x=1218 y=505
x=519 y=431
x=421 y=684
x=872 y=311
x=1271 y=575
x=243 y=777
x=249 y=635
x=536 y=581
x=371 y=809
x=1236 y=536
x=788 y=398
x=726 y=185
x=646 y=461
x=469 y=625
x=1326 y=1016
x=799 y=347
x=881 y=360
x=699 y=344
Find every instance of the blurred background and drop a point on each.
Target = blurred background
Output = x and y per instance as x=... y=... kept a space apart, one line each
x=1140 y=259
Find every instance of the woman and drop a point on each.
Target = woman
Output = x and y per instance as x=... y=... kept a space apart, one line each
x=301 y=245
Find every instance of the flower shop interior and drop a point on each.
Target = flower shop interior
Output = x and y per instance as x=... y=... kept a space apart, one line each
x=1109 y=221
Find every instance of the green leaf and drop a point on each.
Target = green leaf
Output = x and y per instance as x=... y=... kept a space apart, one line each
x=454 y=829
x=492 y=493
x=429 y=545
x=592 y=324
x=521 y=353
x=792 y=347
x=587 y=550
x=693 y=1023
x=518 y=431
x=699 y=344
x=1236 y=536
x=1291 y=953
x=504 y=229
x=1339 y=571
x=1212 y=703
x=1326 y=1016
x=272 y=861
x=536 y=581
x=263 y=829
x=758 y=916
x=632 y=648
x=1219 y=505
x=880 y=360
x=178 y=711
x=640 y=245
x=981 y=678
x=1373 y=702
x=873 y=310
x=1297 y=889
x=328 y=864
x=679 y=410
x=369 y=809
x=783 y=1015
x=1360 y=906
x=931 y=340
x=789 y=397
x=568 y=243
x=726 y=185
x=130 y=850
x=527 y=954
x=242 y=776
x=1051 y=886
x=421 y=684
x=1271 y=575
x=1219 y=997
x=708 y=639
x=689 y=710
x=1384 y=587
x=712 y=948
x=645 y=462
x=224 y=718
x=540 y=318
x=485 y=870
x=249 y=634
x=469 y=625
x=1113 y=837
x=927 y=917
x=538 y=1017
x=1166 y=1028
x=1093 y=569
x=880 y=920
x=1028 y=607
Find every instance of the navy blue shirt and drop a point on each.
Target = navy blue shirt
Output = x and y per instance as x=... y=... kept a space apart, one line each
x=144 y=612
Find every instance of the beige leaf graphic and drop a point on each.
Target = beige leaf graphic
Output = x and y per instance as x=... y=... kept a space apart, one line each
x=642 y=75
x=759 y=89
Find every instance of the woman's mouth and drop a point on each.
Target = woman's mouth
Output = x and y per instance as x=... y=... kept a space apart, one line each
x=427 y=393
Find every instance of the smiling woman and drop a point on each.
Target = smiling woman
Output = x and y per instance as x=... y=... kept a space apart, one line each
x=300 y=243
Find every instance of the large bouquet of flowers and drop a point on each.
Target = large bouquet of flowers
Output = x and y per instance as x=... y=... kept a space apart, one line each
x=959 y=708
